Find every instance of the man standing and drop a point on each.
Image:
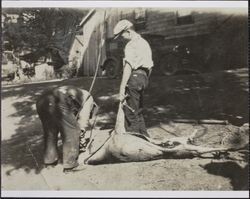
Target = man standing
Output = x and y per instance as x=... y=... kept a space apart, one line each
x=137 y=65
x=68 y=110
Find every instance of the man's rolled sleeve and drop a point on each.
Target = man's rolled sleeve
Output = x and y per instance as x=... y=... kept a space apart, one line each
x=84 y=114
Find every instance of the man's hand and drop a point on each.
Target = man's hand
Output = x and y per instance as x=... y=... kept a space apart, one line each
x=122 y=97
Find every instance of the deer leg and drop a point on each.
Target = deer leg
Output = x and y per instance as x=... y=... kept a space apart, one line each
x=188 y=150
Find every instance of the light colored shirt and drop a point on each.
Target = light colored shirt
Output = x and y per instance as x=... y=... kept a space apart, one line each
x=138 y=53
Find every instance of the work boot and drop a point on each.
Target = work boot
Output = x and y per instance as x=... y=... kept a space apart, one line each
x=53 y=164
x=75 y=169
x=68 y=170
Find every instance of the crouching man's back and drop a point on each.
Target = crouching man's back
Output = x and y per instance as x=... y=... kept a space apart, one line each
x=65 y=109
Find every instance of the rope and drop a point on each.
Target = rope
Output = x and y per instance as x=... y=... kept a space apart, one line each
x=99 y=55
x=93 y=82
x=98 y=148
x=91 y=132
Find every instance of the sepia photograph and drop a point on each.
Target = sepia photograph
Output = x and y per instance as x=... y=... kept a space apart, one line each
x=140 y=97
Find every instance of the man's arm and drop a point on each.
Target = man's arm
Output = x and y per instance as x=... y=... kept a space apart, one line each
x=125 y=77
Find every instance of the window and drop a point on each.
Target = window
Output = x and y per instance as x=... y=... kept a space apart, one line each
x=140 y=19
x=184 y=17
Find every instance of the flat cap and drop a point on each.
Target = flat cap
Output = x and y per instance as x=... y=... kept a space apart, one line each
x=121 y=26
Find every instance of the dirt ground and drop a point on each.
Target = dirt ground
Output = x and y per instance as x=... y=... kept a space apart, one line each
x=221 y=96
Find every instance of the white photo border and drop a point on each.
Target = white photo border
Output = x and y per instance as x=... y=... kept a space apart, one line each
x=127 y=194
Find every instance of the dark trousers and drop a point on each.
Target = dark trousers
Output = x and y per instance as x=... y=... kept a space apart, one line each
x=57 y=114
x=134 y=121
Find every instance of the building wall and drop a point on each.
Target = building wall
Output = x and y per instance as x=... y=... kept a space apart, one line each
x=217 y=38
x=88 y=44
x=163 y=22
x=212 y=36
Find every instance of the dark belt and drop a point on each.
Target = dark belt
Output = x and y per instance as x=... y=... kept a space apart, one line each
x=141 y=69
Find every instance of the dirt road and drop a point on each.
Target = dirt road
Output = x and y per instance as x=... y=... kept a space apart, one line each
x=209 y=96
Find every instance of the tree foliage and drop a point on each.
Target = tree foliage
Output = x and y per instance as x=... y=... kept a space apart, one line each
x=40 y=29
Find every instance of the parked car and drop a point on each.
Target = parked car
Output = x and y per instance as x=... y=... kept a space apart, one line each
x=178 y=60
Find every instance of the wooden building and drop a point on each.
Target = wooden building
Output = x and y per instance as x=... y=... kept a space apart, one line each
x=89 y=44
x=216 y=39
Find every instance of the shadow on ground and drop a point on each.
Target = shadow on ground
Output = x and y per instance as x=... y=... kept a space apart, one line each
x=23 y=148
x=208 y=96
x=221 y=95
x=238 y=176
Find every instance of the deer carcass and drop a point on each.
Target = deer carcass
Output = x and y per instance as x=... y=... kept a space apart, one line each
x=122 y=146
x=132 y=148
